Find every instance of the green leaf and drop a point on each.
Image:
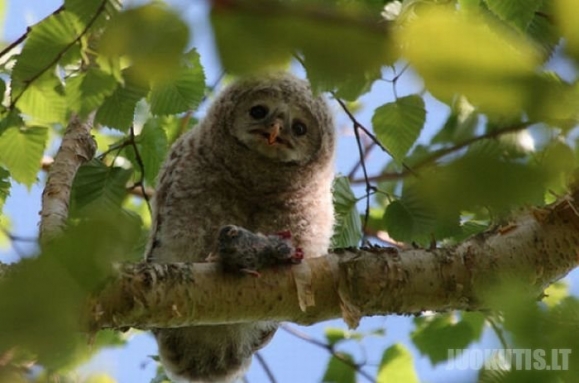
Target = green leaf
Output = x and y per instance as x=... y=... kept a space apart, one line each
x=435 y=335
x=397 y=366
x=555 y=293
x=335 y=335
x=21 y=151
x=175 y=126
x=484 y=179
x=338 y=371
x=348 y=227
x=566 y=18
x=87 y=91
x=98 y=187
x=58 y=282
x=118 y=109
x=417 y=217
x=494 y=69
x=183 y=92
x=153 y=147
x=409 y=220
x=516 y=12
x=152 y=37
x=542 y=30
x=44 y=101
x=460 y=125
x=45 y=45
x=290 y=28
x=86 y=10
x=398 y=124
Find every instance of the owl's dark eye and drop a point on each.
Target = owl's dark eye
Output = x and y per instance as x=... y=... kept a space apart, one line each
x=299 y=128
x=258 y=112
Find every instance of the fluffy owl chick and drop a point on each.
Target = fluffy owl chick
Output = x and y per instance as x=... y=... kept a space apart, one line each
x=261 y=159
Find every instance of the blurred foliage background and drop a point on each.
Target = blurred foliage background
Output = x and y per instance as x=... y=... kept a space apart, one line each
x=504 y=72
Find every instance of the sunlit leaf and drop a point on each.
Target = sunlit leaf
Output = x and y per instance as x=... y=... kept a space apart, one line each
x=2 y=14
x=339 y=51
x=555 y=293
x=566 y=19
x=44 y=102
x=98 y=187
x=87 y=10
x=21 y=150
x=398 y=124
x=118 y=109
x=152 y=146
x=87 y=91
x=516 y=12
x=348 y=227
x=58 y=282
x=338 y=370
x=99 y=378
x=181 y=93
x=416 y=217
x=335 y=335
x=434 y=336
x=152 y=37
x=460 y=124
x=409 y=220
x=483 y=178
x=397 y=366
x=45 y=44
x=543 y=30
x=462 y=53
x=175 y=126
x=559 y=163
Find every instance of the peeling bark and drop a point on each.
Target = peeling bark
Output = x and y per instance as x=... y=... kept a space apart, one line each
x=76 y=148
x=535 y=249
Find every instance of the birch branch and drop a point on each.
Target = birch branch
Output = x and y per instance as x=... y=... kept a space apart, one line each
x=76 y=148
x=535 y=249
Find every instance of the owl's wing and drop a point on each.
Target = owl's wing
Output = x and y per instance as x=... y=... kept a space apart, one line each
x=164 y=184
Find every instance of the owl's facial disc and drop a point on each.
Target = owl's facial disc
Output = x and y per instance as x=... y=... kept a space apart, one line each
x=277 y=130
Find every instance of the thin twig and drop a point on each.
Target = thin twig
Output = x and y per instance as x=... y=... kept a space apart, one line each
x=265 y=367
x=356 y=125
x=397 y=77
x=141 y=182
x=444 y=152
x=356 y=367
x=23 y=37
x=15 y=239
x=367 y=149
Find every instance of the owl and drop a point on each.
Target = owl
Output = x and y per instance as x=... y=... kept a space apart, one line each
x=261 y=159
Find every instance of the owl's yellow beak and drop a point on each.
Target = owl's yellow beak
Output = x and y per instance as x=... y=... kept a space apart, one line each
x=274 y=130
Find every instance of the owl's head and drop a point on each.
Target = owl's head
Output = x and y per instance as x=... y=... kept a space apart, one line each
x=277 y=117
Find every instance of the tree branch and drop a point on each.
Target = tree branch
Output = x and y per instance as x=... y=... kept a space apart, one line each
x=76 y=148
x=537 y=247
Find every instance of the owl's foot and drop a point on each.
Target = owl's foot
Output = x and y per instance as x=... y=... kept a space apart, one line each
x=242 y=251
